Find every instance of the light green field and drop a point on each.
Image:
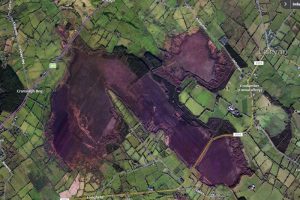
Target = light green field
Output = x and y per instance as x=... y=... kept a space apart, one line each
x=183 y=97
x=272 y=118
x=204 y=97
x=263 y=190
x=194 y=107
x=197 y=99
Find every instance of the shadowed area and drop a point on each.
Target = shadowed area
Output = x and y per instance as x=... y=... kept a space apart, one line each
x=10 y=83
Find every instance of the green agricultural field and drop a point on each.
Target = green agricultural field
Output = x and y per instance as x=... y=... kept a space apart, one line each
x=220 y=109
x=128 y=116
x=267 y=192
x=142 y=164
x=272 y=118
x=242 y=188
x=203 y=97
x=194 y=107
x=197 y=99
x=183 y=97
x=204 y=117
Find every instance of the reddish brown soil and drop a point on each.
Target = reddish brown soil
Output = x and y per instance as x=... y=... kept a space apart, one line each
x=224 y=163
x=82 y=120
x=150 y=104
x=195 y=55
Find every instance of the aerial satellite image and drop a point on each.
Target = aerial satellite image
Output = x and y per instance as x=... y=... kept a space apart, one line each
x=150 y=99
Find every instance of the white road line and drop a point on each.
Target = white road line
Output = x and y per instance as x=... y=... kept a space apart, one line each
x=17 y=39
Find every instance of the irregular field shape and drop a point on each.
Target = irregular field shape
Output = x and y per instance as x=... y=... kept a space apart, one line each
x=222 y=164
x=83 y=120
x=150 y=104
x=195 y=55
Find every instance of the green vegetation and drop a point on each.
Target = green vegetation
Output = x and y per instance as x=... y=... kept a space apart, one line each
x=9 y=85
x=144 y=163
x=34 y=173
x=194 y=107
x=272 y=118
x=203 y=97
x=203 y=104
x=262 y=189
x=132 y=29
x=196 y=98
x=127 y=115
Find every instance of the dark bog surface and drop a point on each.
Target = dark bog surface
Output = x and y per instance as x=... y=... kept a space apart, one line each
x=9 y=84
x=150 y=104
x=83 y=122
x=224 y=163
x=85 y=127
x=195 y=55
